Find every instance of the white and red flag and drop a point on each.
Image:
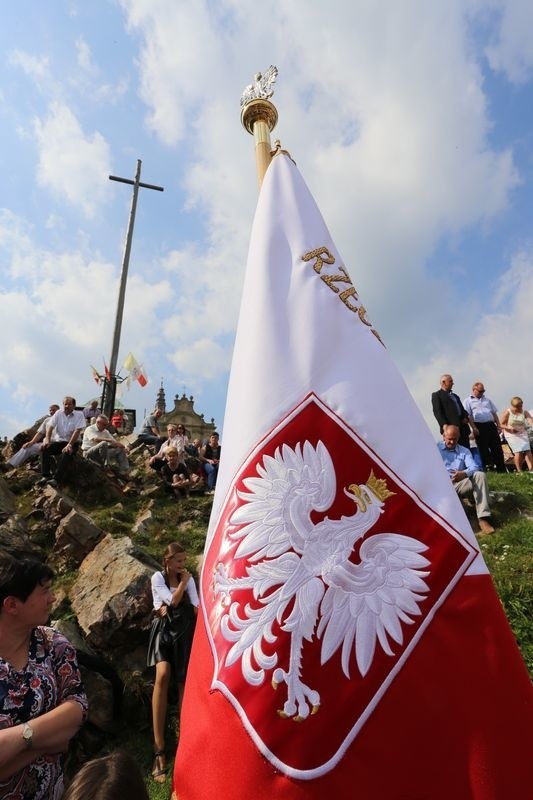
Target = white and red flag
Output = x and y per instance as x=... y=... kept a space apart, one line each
x=351 y=643
x=136 y=370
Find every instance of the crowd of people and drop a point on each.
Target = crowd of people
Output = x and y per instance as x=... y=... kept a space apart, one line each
x=473 y=437
x=183 y=465
x=42 y=701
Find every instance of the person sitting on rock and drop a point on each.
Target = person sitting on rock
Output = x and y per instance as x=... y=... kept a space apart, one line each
x=101 y=447
x=62 y=439
x=91 y=411
x=210 y=458
x=170 y=443
x=32 y=448
x=465 y=475
x=175 y=475
x=194 y=448
x=150 y=432
x=119 y=420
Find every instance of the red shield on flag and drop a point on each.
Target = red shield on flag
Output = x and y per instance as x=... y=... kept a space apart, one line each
x=271 y=606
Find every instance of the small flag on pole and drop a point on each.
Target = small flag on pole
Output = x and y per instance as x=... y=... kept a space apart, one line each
x=96 y=376
x=129 y=362
x=351 y=643
x=138 y=375
x=135 y=370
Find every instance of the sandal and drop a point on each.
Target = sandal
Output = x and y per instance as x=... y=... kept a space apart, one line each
x=159 y=770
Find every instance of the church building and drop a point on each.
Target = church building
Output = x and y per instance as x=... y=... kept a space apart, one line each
x=183 y=413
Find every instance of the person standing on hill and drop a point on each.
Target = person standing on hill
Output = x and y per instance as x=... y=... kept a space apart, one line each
x=514 y=422
x=175 y=607
x=485 y=424
x=448 y=409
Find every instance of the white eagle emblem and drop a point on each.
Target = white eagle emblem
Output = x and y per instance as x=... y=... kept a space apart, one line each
x=303 y=580
x=262 y=88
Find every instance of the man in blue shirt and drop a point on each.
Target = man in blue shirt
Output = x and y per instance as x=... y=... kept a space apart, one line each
x=465 y=475
x=483 y=418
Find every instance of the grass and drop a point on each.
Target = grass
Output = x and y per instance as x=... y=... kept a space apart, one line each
x=508 y=554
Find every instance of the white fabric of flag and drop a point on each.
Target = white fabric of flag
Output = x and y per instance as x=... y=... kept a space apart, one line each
x=296 y=335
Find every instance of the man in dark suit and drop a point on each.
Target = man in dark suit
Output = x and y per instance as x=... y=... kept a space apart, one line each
x=448 y=409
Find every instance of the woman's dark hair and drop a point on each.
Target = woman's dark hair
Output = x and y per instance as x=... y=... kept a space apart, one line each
x=20 y=574
x=113 y=777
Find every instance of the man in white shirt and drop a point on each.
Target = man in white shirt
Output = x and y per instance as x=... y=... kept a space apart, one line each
x=65 y=427
x=100 y=446
x=32 y=448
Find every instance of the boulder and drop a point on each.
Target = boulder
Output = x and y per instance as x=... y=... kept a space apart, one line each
x=14 y=539
x=112 y=600
x=8 y=501
x=76 y=536
x=103 y=687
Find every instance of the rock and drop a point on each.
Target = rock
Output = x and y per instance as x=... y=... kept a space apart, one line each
x=8 y=501
x=101 y=700
x=102 y=685
x=76 y=536
x=112 y=600
x=150 y=491
x=144 y=521
x=17 y=542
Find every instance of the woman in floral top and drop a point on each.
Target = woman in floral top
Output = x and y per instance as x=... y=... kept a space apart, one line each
x=42 y=702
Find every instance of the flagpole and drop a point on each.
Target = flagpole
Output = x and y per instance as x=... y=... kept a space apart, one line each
x=259 y=117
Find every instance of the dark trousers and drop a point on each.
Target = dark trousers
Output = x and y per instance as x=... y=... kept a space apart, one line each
x=151 y=439
x=64 y=460
x=490 y=446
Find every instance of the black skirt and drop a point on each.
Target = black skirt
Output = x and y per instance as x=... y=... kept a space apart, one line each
x=171 y=639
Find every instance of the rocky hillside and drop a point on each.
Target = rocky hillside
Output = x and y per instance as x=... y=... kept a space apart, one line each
x=104 y=539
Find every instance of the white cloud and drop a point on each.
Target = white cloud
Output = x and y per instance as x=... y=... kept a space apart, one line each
x=84 y=55
x=38 y=69
x=512 y=50
x=394 y=144
x=72 y=165
x=181 y=46
x=59 y=309
x=204 y=359
x=497 y=350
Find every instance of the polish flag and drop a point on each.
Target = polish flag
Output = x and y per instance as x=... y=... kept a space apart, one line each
x=351 y=643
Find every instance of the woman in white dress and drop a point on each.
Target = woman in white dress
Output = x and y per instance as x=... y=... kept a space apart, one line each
x=514 y=421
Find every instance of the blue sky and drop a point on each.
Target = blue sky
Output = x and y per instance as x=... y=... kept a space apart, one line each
x=410 y=121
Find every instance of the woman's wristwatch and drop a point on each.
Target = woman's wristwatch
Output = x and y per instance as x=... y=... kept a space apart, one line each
x=27 y=735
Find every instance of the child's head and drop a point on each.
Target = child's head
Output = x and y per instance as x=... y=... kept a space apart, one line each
x=113 y=777
x=173 y=549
